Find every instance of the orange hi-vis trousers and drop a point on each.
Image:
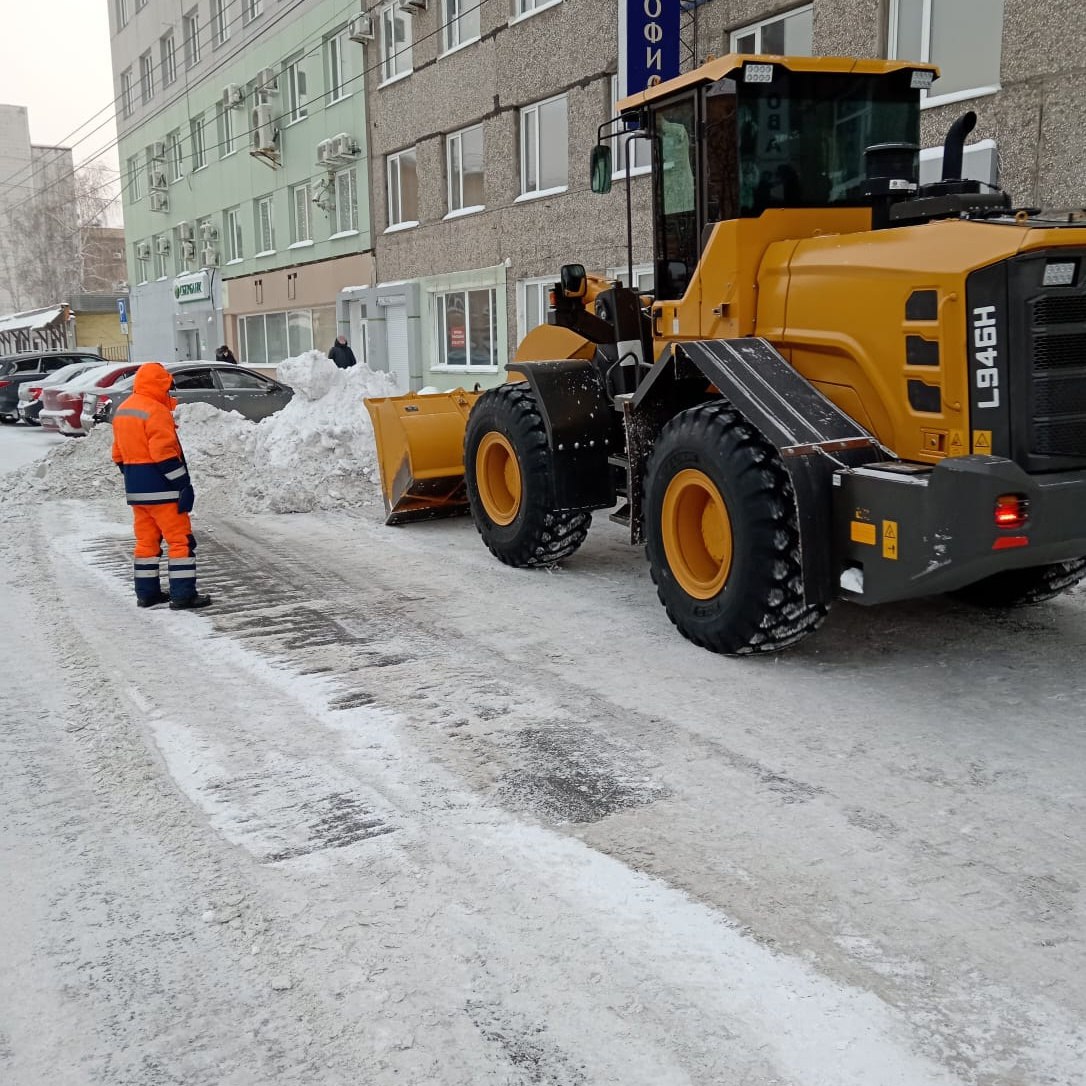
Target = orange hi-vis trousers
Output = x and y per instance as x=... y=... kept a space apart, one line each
x=153 y=524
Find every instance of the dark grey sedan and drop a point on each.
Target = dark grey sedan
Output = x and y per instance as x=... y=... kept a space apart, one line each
x=226 y=386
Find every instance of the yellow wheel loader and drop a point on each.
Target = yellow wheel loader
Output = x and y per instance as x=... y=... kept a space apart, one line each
x=844 y=385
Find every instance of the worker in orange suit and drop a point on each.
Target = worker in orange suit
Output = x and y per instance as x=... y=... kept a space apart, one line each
x=156 y=481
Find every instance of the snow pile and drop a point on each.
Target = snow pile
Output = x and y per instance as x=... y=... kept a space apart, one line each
x=316 y=453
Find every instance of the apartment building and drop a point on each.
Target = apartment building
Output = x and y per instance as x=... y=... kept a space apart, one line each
x=244 y=168
x=483 y=113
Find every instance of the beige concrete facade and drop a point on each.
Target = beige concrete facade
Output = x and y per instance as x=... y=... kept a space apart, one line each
x=1032 y=111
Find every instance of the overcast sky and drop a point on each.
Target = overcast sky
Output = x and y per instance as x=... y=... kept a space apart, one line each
x=54 y=59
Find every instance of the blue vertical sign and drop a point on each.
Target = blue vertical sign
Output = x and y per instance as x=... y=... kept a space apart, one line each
x=648 y=44
x=122 y=312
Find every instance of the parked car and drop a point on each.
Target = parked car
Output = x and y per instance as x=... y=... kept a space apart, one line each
x=221 y=384
x=17 y=369
x=62 y=403
x=31 y=392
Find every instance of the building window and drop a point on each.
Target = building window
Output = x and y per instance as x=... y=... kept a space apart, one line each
x=403 y=189
x=227 y=138
x=147 y=77
x=296 y=93
x=346 y=201
x=235 y=248
x=301 y=225
x=640 y=150
x=466 y=329
x=395 y=42
x=461 y=22
x=265 y=339
x=168 y=59
x=127 y=102
x=196 y=135
x=220 y=25
x=250 y=9
x=135 y=179
x=533 y=301
x=790 y=35
x=464 y=159
x=122 y=14
x=190 y=28
x=265 y=227
x=143 y=260
x=335 y=57
x=526 y=7
x=162 y=256
x=644 y=275
x=544 y=146
x=965 y=39
x=175 y=156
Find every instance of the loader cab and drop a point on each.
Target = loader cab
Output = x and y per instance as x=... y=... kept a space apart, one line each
x=764 y=134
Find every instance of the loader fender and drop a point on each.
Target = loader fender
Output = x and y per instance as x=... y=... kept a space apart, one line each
x=578 y=420
x=814 y=437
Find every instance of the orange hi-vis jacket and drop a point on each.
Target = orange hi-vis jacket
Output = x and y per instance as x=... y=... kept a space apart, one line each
x=145 y=442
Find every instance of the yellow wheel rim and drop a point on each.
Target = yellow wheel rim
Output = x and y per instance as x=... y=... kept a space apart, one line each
x=497 y=473
x=697 y=533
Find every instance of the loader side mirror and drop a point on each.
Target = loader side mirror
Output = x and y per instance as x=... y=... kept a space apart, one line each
x=574 y=280
x=601 y=168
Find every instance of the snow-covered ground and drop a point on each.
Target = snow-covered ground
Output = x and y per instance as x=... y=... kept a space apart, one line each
x=393 y=812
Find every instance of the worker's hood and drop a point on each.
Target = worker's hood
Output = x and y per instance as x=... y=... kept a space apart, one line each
x=155 y=381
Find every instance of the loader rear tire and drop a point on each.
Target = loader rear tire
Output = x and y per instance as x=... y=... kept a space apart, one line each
x=509 y=473
x=723 y=541
x=1019 y=587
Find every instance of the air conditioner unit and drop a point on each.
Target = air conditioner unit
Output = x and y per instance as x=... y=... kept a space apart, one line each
x=160 y=201
x=265 y=132
x=412 y=6
x=267 y=82
x=163 y=247
x=344 y=147
x=188 y=250
x=324 y=153
x=209 y=231
x=158 y=151
x=360 y=28
x=143 y=250
x=186 y=231
x=210 y=257
x=233 y=96
x=156 y=180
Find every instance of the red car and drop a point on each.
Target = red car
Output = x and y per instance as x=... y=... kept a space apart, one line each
x=62 y=406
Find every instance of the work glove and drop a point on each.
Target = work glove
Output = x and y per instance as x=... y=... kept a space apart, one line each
x=186 y=499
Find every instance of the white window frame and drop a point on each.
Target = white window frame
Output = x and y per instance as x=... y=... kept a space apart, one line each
x=639 y=271
x=345 y=226
x=394 y=64
x=220 y=24
x=235 y=239
x=228 y=144
x=265 y=224
x=167 y=48
x=335 y=66
x=454 y=152
x=122 y=14
x=641 y=147
x=199 y=142
x=190 y=26
x=147 y=77
x=135 y=171
x=927 y=99
x=128 y=105
x=175 y=155
x=452 y=37
x=757 y=28
x=525 y=9
x=545 y=284
x=393 y=162
x=295 y=90
x=162 y=268
x=250 y=10
x=143 y=262
x=439 y=310
x=298 y=236
x=533 y=110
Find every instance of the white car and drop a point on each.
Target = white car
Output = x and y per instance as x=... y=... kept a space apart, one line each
x=64 y=410
x=31 y=393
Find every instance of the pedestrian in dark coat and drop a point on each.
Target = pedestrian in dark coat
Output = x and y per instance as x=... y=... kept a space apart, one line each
x=342 y=354
x=224 y=354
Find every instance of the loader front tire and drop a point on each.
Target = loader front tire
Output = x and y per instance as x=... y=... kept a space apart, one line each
x=1019 y=587
x=722 y=536
x=509 y=472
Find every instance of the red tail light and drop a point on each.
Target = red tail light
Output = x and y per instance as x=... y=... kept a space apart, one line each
x=103 y=401
x=1011 y=511
x=5 y=384
x=35 y=393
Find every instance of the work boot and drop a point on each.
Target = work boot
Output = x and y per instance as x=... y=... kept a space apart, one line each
x=190 y=603
x=152 y=601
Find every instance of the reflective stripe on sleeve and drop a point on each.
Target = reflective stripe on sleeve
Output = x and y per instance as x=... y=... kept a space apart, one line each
x=176 y=473
x=131 y=413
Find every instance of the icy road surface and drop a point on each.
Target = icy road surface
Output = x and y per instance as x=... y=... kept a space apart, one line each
x=391 y=812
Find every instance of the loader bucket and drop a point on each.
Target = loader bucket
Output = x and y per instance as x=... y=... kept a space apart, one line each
x=420 y=449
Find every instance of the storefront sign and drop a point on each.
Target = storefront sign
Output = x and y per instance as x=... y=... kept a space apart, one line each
x=648 y=44
x=195 y=287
